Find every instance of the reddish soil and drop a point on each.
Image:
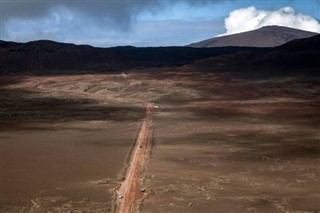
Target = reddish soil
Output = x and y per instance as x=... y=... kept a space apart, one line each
x=130 y=188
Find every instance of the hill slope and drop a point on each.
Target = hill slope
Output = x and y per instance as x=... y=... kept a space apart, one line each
x=269 y=36
x=41 y=56
x=50 y=55
x=301 y=56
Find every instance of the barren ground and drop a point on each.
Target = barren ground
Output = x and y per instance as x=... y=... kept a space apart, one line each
x=220 y=143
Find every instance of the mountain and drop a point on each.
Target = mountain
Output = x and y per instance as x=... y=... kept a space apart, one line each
x=42 y=56
x=269 y=36
x=54 y=57
x=311 y=44
x=301 y=56
x=50 y=55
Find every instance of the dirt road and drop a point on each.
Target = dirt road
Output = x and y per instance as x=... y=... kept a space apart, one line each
x=129 y=191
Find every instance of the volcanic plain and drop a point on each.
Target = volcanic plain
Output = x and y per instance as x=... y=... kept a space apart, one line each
x=219 y=142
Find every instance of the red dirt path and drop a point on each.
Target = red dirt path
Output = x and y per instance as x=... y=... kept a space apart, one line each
x=130 y=188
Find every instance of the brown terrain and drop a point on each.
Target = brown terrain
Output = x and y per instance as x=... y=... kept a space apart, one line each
x=225 y=135
x=220 y=143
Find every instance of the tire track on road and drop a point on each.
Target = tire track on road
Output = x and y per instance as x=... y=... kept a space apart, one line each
x=129 y=192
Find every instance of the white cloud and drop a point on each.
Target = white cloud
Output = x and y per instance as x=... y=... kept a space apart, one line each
x=246 y=19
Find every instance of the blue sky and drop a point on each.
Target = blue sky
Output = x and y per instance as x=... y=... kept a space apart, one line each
x=148 y=22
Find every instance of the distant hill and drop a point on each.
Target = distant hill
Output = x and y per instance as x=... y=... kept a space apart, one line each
x=50 y=55
x=269 y=36
x=44 y=56
x=301 y=56
x=53 y=57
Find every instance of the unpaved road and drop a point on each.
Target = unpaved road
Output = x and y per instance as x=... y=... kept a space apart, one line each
x=130 y=188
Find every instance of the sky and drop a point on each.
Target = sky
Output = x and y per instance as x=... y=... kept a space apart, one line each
x=106 y=23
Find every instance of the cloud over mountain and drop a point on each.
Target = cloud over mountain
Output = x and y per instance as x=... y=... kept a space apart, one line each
x=250 y=18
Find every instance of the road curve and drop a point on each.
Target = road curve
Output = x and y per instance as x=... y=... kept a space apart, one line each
x=130 y=187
